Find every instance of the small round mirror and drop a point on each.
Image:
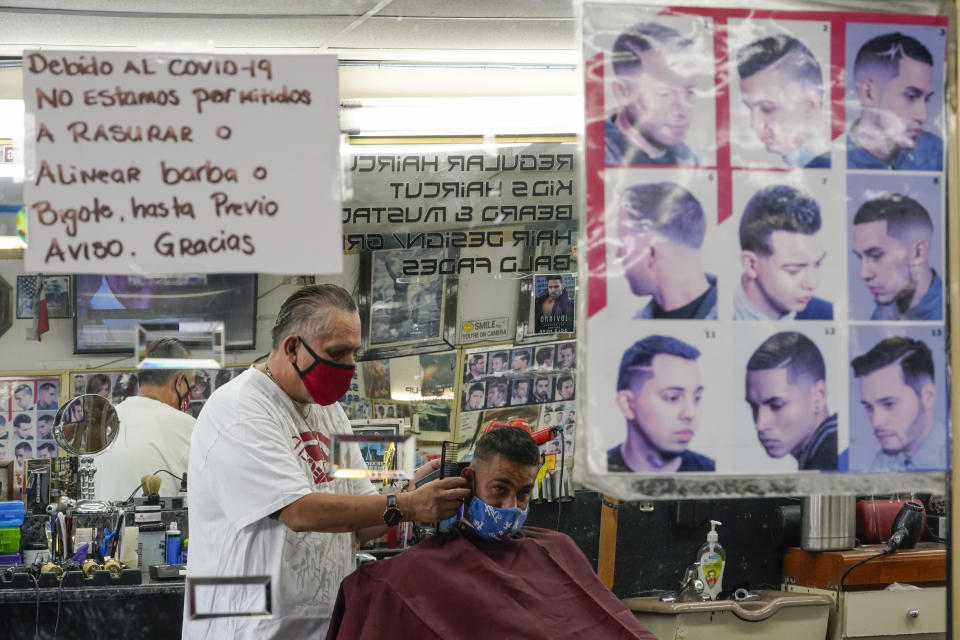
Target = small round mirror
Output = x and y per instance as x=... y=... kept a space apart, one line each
x=86 y=425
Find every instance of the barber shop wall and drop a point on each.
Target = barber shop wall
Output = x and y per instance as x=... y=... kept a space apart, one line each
x=55 y=350
x=657 y=541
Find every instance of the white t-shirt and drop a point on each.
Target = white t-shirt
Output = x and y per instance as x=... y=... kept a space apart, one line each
x=252 y=454
x=152 y=436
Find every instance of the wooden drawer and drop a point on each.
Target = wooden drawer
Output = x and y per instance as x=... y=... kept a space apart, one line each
x=887 y=613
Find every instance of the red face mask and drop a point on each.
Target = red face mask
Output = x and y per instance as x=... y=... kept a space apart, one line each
x=325 y=380
x=184 y=400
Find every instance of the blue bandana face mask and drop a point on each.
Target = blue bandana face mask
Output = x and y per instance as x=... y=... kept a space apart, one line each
x=493 y=523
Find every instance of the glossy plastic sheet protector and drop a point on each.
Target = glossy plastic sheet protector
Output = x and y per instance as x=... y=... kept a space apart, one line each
x=763 y=294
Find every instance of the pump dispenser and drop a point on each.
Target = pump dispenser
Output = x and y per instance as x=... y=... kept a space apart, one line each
x=712 y=559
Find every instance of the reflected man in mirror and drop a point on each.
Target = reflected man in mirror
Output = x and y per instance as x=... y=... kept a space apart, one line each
x=155 y=429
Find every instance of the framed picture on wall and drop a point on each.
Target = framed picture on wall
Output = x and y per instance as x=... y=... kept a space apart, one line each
x=6 y=480
x=407 y=304
x=56 y=291
x=6 y=306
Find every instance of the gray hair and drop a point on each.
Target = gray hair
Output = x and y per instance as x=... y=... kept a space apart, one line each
x=307 y=311
x=163 y=348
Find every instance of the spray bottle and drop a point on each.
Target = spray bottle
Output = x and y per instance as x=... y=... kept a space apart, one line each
x=712 y=559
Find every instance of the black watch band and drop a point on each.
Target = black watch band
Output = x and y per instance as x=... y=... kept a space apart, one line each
x=392 y=516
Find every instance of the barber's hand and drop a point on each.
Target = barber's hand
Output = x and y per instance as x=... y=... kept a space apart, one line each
x=424 y=471
x=435 y=501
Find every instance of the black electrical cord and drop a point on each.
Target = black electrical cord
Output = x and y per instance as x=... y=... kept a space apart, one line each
x=140 y=486
x=59 y=602
x=934 y=536
x=563 y=440
x=843 y=578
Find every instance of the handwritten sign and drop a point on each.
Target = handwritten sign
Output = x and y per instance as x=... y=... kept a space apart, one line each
x=176 y=163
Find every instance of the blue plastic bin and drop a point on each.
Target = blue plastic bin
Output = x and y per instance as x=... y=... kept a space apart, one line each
x=11 y=513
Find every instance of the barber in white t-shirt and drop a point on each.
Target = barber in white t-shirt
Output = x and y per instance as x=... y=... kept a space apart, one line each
x=154 y=430
x=260 y=500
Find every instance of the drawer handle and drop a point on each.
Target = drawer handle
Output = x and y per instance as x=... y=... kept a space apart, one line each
x=913 y=613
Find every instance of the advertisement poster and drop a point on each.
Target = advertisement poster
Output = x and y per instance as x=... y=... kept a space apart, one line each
x=28 y=406
x=536 y=384
x=766 y=258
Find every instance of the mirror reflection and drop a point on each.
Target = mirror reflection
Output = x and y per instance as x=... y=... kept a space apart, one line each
x=86 y=425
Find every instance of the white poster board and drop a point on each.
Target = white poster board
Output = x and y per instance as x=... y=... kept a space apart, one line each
x=715 y=360
x=181 y=163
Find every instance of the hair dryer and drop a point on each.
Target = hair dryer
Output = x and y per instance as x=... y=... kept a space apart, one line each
x=906 y=529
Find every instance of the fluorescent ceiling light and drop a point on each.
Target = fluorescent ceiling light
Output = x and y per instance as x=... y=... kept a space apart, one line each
x=462 y=116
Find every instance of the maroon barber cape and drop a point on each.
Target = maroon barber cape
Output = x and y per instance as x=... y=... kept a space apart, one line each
x=536 y=586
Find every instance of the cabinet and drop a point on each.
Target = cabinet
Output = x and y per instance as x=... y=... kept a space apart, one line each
x=866 y=609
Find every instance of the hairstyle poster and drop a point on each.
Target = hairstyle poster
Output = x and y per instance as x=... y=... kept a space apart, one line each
x=533 y=386
x=28 y=406
x=762 y=300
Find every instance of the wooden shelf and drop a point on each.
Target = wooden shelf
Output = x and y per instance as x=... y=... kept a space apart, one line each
x=924 y=565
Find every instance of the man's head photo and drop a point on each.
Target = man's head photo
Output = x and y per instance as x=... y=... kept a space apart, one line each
x=499 y=362
x=786 y=388
x=23 y=397
x=496 y=394
x=898 y=395
x=659 y=389
x=476 y=366
x=656 y=73
x=553 y=307
x=22 y=427
x=47 y=396
x=519 y=360
x=519 y=391
x=782 y=251
x=542 y=389
x=661 y=227
x=543 y=357
x=896 y=85
x=567 y=355
x=566 y=386
x=892 y=239
x=782 y=89
x=46 y=450
x=45 y=426
x=23 y=451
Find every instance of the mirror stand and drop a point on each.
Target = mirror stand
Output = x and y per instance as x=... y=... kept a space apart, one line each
x=86 y=469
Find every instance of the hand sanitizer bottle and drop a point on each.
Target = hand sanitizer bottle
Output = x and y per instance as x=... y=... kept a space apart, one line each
x=712 y=559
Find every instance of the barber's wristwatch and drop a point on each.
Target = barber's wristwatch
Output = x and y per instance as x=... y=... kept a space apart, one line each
x=392 y=516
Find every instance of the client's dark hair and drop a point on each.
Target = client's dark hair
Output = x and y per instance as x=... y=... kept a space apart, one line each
x=513 y=443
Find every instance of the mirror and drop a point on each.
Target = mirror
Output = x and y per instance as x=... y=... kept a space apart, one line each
x=86 y=425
